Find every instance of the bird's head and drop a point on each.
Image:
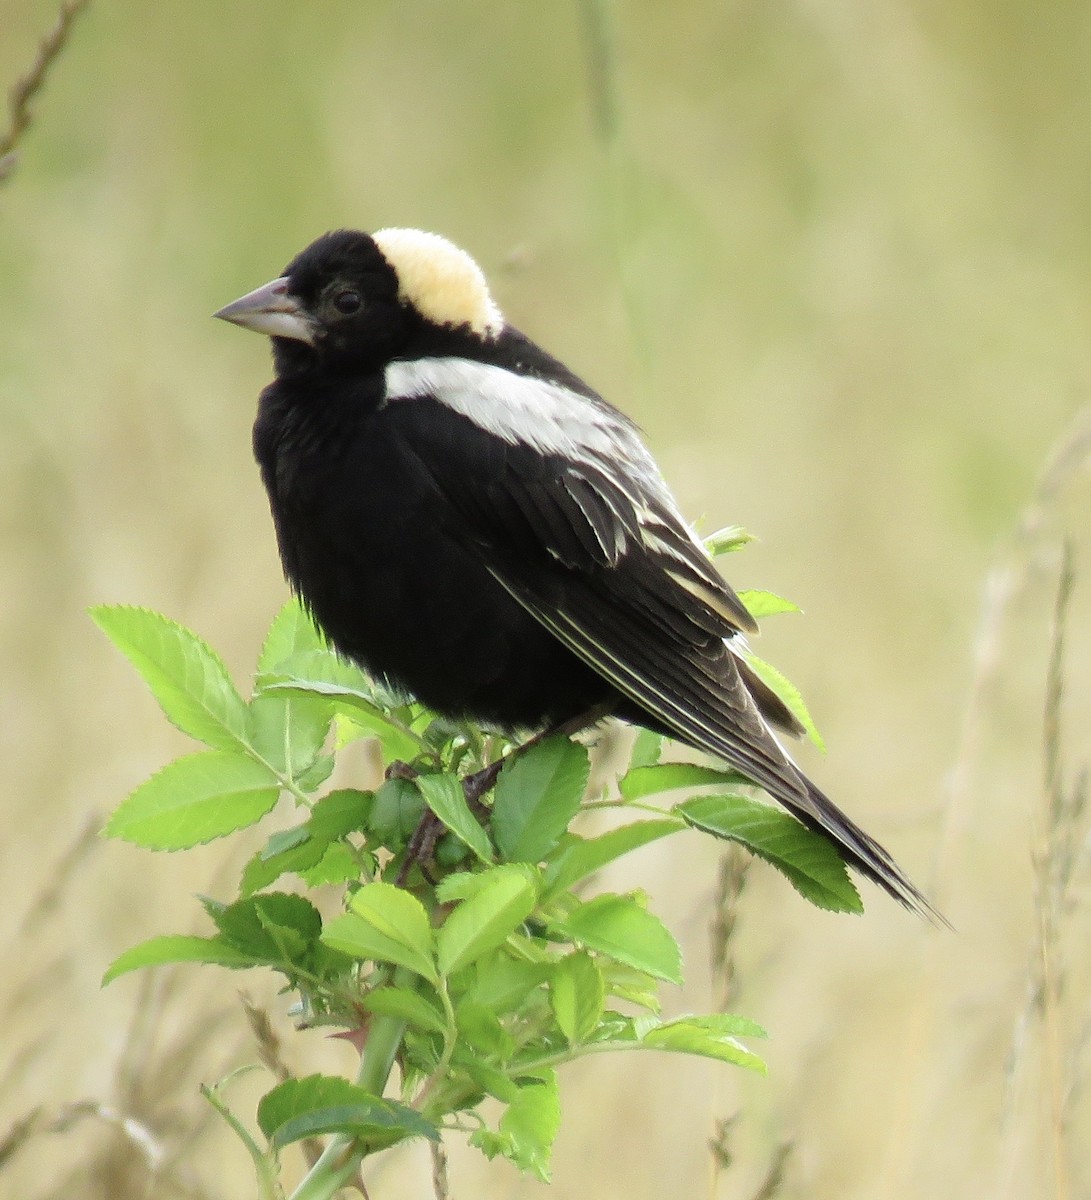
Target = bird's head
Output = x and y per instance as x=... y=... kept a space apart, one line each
x=355 y=298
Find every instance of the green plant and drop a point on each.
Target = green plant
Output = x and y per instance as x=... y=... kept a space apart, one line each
x=468 y=951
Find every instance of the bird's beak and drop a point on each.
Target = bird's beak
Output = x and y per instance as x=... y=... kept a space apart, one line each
x=271 y=310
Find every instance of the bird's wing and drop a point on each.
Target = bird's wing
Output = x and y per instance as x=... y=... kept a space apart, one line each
x=571 y=516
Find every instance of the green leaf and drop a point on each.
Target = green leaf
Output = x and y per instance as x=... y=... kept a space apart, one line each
x=185 y=675
x=503 y=902
x=627 y=983
x=386 y=924
x=264 y=869
x=505 y=984
x=531 y=1124
x=766 y=604
x=623 y=929
x=578 y=993
x=444 y=796
x=410 y=1006
x=727 y=540
x=646 y=749
x=322 y=674
x=527 y=1128
x=789 y=693
x=480 y=1030
x=666 y=777
x=288 y=732
x=537 y=795
x=579 y=857
x=195 y=799
x=306 y=849
x=709 y=1037
x=177 y=948
x=340 y=812
x=809 y=860
x=291 y=634
x=300 y=1108
x=337 y=865
x=278 y=928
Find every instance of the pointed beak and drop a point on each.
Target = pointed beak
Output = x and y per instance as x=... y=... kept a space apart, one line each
x=271 y=310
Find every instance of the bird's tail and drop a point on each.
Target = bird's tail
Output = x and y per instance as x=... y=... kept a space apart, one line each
x=861 y=851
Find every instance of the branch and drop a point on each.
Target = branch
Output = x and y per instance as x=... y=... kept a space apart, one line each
x=29 y=85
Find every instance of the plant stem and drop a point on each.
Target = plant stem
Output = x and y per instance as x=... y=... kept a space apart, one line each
x=342 y=1157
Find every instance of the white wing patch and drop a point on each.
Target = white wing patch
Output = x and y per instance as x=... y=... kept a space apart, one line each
x=547 y=416
x=439 y=280
x=556 y=421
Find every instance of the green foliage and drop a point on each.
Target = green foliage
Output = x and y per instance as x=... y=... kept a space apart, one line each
x=467 y=949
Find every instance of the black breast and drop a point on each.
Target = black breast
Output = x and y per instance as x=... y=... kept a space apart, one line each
x=389 y=572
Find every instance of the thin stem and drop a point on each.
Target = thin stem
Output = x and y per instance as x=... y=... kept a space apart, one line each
x=26 y=89
x=342 y=1157
x=450 y=1037
x=265 y=1166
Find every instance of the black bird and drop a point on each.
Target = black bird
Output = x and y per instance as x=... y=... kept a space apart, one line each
x=466 y=518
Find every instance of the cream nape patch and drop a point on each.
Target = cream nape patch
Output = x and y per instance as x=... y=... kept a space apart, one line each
x=441 y=281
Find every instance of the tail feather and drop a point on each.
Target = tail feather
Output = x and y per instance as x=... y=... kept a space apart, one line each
x=861 y=851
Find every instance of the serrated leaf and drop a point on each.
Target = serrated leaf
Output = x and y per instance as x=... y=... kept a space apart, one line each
x=577 y=992
x=318 y=1104
x=809 y=860
x=338 y=864
x=324 y=675
x=387 y=924
x=505 y=984
x=195 y=799
x=305 y=849
x=623 y=929
x=340 y=812
x=537 y=795
x=460 y=885
x=713 y=1037
x=667 y=777
x=292 y=633
x=410 y=1006
x=530 y=1126
x=279 y=928
x=627 y=983
x=288 y=732
x=264 y=869
x=186 y=676
x=789 y=693
x=177 y=948
x=579 y=857
x=503 y=902
x=444 y=796
x=766 y=604
x=480 y=1030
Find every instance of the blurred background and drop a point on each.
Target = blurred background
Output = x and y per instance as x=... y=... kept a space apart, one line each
x=836 y=261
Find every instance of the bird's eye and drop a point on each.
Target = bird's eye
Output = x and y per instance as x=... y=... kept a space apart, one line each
x=347 y=301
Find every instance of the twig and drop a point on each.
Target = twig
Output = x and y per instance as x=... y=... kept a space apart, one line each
x=1004 y=583
x=26 y=88
x=441 y=1185
x=270 y=1057
x=734 y=867
x=774 y=1177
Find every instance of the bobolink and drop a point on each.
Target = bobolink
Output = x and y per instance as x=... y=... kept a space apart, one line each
x=467 y=519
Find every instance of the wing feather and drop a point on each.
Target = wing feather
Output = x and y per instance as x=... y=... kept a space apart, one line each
x=577 y=525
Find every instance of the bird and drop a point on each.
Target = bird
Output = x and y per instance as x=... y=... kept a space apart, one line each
x=467 y=519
